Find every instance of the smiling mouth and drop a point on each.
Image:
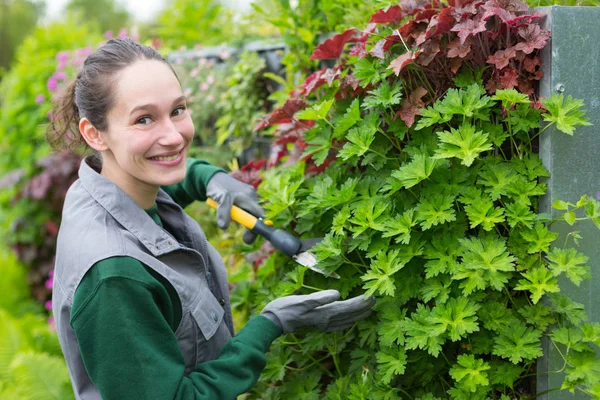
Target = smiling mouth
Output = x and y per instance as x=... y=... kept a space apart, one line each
x=166 y=158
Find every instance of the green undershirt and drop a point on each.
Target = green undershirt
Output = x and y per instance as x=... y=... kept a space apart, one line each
x=125 y=315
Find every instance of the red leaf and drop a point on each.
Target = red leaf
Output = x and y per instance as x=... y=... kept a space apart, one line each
x=465 y=8
x=469 y=27
x=531 y=64
x=509 y=78
x=378 y=50
x=411 y=106
x=503 y=9
x=280 y=114
x=501 y=58
x=333 y=47
x=441 y=23
x=51 y=228
x=393 y=14
x=405 y=59
x=349 y=81
x=250 y=173
x=524 y=20
x=430 y=49
x=535 y=38
x=458 y=49
x=364 y=34
x=412 y=7
x=359 y=49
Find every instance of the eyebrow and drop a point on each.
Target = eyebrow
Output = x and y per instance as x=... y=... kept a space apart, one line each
x=151 y=105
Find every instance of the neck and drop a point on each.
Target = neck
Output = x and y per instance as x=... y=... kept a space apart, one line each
x=142 y=193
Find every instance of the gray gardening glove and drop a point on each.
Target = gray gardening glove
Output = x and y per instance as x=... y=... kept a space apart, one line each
x=227 y=191
x=319 y=310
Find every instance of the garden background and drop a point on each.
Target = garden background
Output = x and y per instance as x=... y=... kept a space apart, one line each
x=405 y=133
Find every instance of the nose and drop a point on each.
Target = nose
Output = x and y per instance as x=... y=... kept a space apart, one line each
x=170 y=137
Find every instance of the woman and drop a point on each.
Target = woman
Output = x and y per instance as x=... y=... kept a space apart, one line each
x=140 y=297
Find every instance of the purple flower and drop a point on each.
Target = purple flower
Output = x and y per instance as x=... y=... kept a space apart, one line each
x=60 y=76
x=52 y=324
x=40 y=98
x=204 y=86
x=52 y=84
x=108 y=34
x=61 y=65
x=123 y=33
x=63 y=56
x=48 y=305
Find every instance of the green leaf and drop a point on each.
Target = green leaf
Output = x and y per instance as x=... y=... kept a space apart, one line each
x=391 y=362
x=434 y=210
x=315 y=112
x=369 y=214
x=431 y=116
x=570 y=217
x=340 y=221
x=384 y=96
x=510 y=97
x=442 y=254
x=411 y=174
x=359 y=140
x=389 y=328
x=538 y=281
x=464 y=144
x=366 y=72
x=400 y=226
x=522 y=190
x=571 y=337
x=573 y=312
x=519 y=214
x=41 y=376
x=583 y=369
x=539 y=238
x=571 y=262
x=436 y=288
x=482 y=212
x=566 y=113
x=419 y=333
x=484 y=261
x=350 y=118
x=469 y=372
x=468 y=102
x=592 y=211
x=496 y=177
x=495 y=316
x=318 y=145
x=379 y=278
x=504 y=373
x=456 y=317
x=518 y=342
x=539 y=315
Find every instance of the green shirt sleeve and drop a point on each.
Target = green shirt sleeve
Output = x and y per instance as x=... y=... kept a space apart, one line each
x=193 y=186
x=124 y=323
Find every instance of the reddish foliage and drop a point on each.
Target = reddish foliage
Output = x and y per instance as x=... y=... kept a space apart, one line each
x=281 y=114
x=535 y=38
x=333 y=47
x=501 y=58
x=402 y=61
x=250 y=173
x=410 y=107
x=393 y=14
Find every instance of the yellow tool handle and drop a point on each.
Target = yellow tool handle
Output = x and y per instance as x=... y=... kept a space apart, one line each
x=240 y=216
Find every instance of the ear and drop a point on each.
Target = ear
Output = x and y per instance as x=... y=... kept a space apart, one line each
x=92 y=135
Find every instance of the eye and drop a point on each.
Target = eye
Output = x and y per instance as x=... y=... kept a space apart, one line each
x=144 y=120
x=178 y=111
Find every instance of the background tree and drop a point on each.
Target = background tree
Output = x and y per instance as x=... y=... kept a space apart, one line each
x=18 y=18
x=107 y=14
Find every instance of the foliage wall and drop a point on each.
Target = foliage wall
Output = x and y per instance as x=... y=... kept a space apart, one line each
x=414 y=156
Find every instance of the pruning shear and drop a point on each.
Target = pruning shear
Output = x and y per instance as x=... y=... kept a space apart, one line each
x=280 y=238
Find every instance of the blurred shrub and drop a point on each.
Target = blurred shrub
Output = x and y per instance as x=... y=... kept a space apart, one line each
x=31 y=363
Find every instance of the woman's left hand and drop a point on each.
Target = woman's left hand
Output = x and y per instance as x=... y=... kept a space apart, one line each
x=227 y=191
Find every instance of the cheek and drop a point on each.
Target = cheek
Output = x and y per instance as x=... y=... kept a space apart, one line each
x=186 y=127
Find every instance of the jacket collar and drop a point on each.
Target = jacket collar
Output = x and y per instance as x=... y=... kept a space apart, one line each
x=124 y=209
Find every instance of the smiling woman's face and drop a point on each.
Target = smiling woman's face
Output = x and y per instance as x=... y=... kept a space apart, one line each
x=149 y=129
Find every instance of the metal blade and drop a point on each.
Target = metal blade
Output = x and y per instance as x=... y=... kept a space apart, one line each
x=308 y=244
x=309 y=260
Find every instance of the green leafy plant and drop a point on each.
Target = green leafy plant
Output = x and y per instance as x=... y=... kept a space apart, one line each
x=31 y=362
x=418 y=166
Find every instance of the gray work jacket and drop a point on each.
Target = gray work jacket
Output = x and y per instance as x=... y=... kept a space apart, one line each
x=100 y=221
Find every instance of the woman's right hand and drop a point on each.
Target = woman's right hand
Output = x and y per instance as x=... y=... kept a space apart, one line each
x=319 y=310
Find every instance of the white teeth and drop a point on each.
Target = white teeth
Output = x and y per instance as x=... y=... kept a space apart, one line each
x=169 y=158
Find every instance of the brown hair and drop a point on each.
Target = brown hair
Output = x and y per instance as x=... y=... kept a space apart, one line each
x=91 y=93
